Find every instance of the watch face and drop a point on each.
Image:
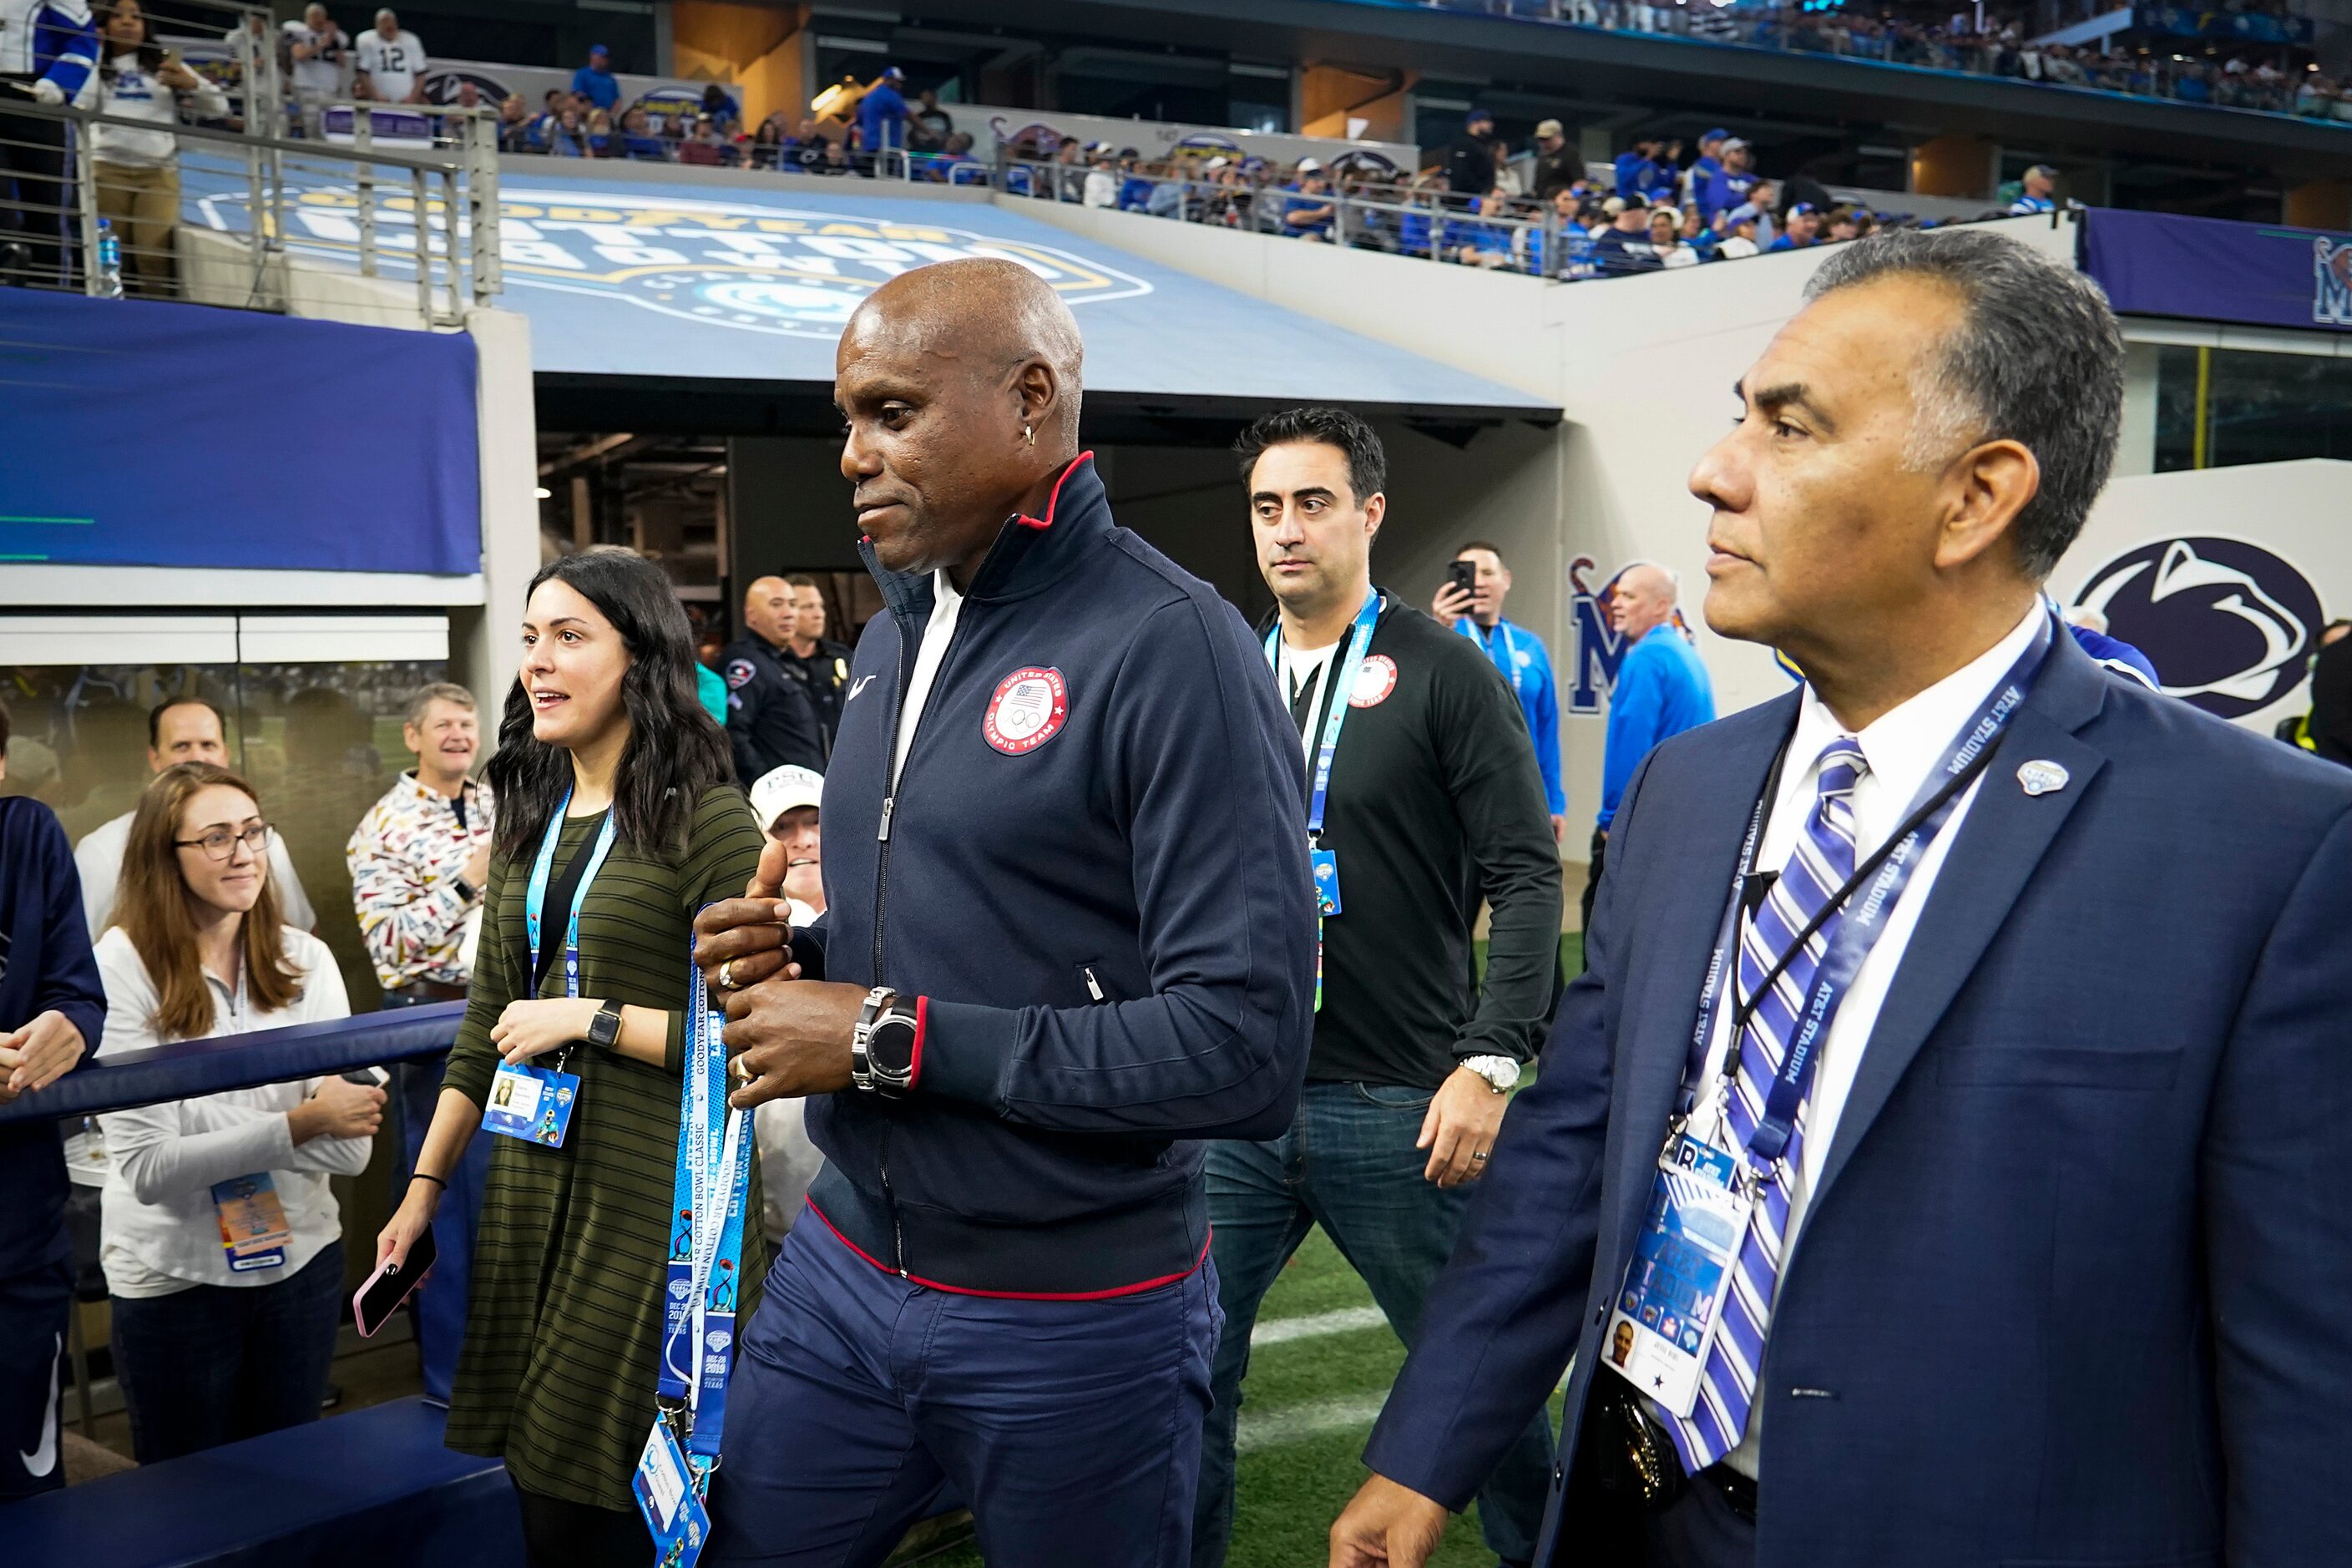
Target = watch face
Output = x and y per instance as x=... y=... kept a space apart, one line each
x=891 y=1045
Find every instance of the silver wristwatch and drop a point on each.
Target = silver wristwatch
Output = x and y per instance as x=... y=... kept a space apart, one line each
x=1501 y=1073
x=882 y=1045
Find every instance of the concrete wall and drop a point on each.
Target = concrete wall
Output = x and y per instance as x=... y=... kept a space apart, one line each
x=1641 y=367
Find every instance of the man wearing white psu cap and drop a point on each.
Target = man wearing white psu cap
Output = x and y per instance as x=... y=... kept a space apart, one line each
x=785 y=801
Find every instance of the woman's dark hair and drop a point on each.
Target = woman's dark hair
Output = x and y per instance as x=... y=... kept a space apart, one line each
x=674 y=751
x=150 y=52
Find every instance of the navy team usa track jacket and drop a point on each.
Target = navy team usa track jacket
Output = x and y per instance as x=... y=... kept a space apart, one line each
x=1094 y=877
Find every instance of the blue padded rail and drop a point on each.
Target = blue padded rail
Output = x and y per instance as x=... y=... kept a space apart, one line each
x=374 y=1488
x=187 y=1068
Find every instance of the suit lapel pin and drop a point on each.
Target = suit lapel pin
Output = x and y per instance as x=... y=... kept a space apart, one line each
x=2041 y=776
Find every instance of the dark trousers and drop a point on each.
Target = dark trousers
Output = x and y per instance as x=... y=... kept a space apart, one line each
x=437 y=1306
x=1347 y=1163
x=33 y=1327
x=559 y=1534
x=1700 y=1531
x=32 y=177
x=861 y=1402
x=214 y=1363
x=1592 y=879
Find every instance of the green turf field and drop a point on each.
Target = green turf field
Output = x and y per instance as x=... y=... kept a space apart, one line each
x=1308 y=1406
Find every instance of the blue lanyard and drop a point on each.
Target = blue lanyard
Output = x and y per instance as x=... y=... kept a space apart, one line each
x=538 y=893
x=704 y=1281
x=1469 y=628
x=1887 y=873
x=1344 y=668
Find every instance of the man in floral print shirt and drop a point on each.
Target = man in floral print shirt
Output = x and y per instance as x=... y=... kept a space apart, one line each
x=419 y=861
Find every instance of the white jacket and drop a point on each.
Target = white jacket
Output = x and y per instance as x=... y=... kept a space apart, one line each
x=159 y=1231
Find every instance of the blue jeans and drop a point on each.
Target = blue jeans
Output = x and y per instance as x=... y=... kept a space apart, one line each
x=437 y=1306
x=1349 y=1164
x=214 y=1364
x=860 y=1402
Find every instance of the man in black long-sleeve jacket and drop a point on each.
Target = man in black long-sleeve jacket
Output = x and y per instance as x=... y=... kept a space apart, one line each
x=51 y=1010
x=1069 y=936
x=1434 y=804
x=772 y=720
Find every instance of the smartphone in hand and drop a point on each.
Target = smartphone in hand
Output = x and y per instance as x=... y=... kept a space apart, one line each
x=373 y=1303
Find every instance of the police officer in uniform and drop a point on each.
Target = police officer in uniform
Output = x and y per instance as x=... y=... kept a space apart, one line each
x=771 y=722
x=825 y=663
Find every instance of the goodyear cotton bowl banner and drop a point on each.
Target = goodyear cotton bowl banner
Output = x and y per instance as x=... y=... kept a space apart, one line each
x=754 y=283
x=2157 y=264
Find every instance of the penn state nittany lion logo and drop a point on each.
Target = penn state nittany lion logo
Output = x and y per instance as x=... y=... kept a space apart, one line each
x=793 y=271
x=2227 y=623
x=2331 y=294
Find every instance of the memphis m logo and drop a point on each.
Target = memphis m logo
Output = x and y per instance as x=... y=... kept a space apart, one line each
x=1599 y=650
x=2331 y=298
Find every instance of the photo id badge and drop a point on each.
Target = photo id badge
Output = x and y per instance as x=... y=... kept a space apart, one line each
x=1665 y=1314
x=253 y=1227
x=666 y=1493
x=1326 y=863
x=532 y=1103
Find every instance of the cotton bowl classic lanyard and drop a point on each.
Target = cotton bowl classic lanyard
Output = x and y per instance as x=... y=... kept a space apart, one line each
x=1469 y=628
x=529 y=1101
x=702 y=1286
x=1887 y=872
x=1344 y=669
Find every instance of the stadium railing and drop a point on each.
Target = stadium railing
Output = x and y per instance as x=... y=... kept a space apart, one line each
x=419 y=184
x=1991 y=50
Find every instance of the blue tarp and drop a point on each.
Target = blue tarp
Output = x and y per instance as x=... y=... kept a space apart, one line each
x=137 y=433
x=752 y=282
x=2159 y=263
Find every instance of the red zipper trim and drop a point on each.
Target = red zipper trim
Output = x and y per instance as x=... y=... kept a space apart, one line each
x=1111 y=1294
x=1053 y=501
x=915 y=1066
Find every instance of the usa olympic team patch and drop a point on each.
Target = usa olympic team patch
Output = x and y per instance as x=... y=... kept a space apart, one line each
x=1374 y=681
x=1029 y=709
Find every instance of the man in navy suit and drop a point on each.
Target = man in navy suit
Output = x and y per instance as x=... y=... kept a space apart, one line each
x=2040 y=1252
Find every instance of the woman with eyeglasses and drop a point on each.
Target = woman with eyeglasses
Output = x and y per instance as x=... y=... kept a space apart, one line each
x=219 y=1234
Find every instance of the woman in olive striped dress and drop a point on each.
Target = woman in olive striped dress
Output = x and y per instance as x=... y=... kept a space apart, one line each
x=617 y=820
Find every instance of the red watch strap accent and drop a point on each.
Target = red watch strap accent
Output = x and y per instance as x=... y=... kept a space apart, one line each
x=915 y=1062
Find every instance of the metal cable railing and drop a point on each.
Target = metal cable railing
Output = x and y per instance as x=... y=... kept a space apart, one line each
x=202 y=212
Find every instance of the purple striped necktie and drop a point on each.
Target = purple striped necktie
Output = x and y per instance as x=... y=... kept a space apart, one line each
x=1822 y=861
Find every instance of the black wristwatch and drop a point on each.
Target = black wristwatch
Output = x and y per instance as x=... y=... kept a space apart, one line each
x=604 y=1028
x=466 y=891
x=882 y=1045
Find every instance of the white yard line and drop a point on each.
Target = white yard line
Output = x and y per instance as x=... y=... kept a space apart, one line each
x=1346 y=1321
x=1297 y=1423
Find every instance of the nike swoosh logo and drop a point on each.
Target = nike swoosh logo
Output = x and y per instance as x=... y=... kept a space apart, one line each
x=856 y=687
x=43 y=1456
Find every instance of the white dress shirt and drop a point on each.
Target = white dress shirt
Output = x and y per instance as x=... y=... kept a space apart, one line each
x=947 y=607
x=1902 y=746
x=159 y=1231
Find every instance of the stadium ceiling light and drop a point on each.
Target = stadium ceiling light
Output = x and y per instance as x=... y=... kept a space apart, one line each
x=544 y=493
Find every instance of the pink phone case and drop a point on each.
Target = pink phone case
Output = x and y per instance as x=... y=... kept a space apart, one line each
x=358 y=1318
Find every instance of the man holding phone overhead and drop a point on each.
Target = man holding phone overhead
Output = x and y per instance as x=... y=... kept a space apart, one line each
x=1472 y=604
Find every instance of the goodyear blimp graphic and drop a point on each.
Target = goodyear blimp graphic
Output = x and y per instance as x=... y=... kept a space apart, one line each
x=755 y=266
